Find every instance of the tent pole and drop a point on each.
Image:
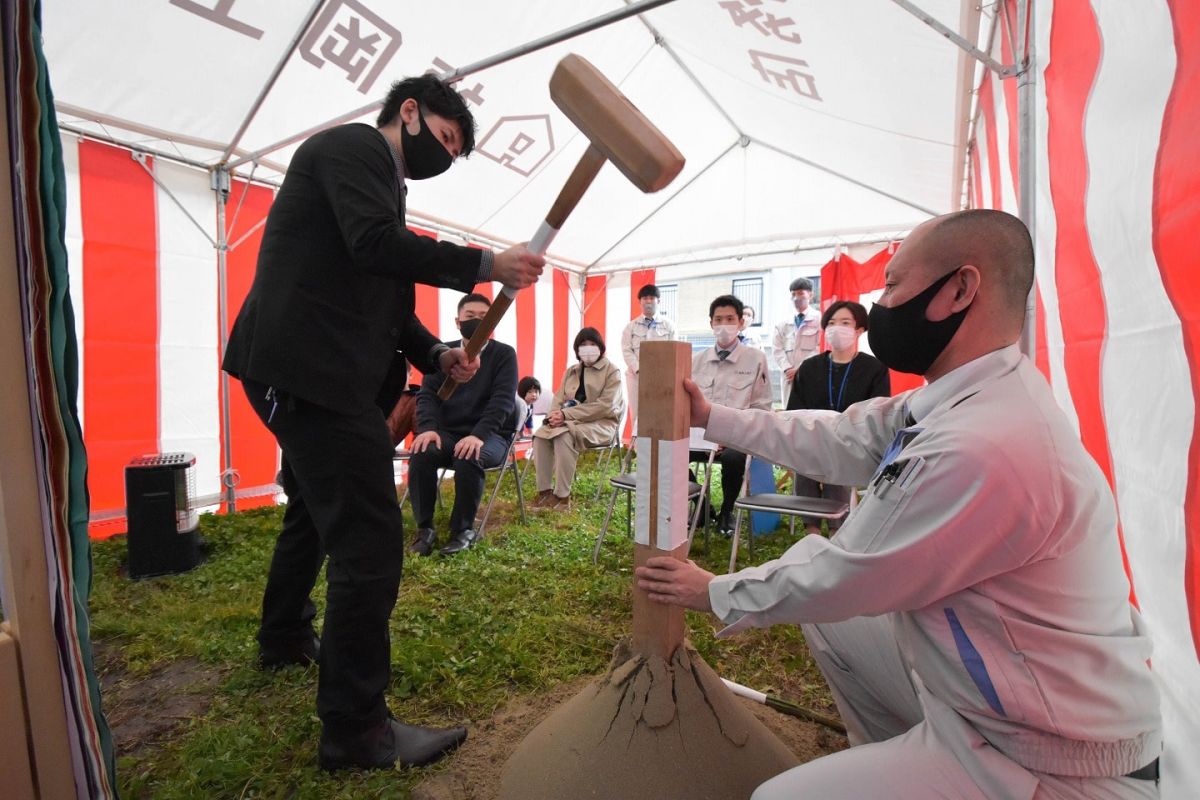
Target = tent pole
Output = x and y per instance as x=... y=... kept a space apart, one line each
x=1026 y=163
x=740 y=141
x=140 y=158
x=991 y=63
x=843 y=176
x=274 y=76
x=650 y=264
x=571 y=32
x=229 y=476
x=969 y=14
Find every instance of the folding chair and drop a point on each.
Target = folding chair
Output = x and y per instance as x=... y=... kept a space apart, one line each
x=523 y=444
x=789 y=505
x=604 y=453
x=626 y=482
x=508 y=464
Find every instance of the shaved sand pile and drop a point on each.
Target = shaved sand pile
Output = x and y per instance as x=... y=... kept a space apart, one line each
x=647 y=729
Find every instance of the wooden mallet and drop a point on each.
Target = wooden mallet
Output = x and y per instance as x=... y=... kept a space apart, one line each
x=617 y=132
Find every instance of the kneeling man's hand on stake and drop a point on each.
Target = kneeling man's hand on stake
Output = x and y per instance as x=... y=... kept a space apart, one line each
x=699 y=405
x=680 y=583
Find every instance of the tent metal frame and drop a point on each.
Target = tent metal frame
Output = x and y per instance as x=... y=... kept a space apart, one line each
x=1023 y=71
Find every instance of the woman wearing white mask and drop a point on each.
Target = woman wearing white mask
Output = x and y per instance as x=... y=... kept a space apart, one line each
x=836 y=380
x=585 y=412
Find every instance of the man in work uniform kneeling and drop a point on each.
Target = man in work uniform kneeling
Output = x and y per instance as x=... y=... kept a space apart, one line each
x=972 y=616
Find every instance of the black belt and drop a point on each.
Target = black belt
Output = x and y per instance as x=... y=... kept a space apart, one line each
x=1146 y=773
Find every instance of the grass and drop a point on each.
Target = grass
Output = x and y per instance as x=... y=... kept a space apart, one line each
x=523 y=612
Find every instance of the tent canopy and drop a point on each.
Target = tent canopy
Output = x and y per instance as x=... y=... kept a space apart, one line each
x=799 y=120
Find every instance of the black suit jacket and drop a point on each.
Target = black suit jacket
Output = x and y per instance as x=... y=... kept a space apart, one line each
x=482 y=406
x=333 y=300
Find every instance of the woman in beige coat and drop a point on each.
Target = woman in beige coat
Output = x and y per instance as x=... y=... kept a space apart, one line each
x=585 y=412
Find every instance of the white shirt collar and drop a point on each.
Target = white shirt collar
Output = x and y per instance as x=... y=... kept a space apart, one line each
x=927 y=398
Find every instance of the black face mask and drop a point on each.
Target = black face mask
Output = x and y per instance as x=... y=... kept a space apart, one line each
x=468 y=328
x=904 y=340
x=424 y=155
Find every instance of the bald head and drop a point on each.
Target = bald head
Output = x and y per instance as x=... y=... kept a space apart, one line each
x=997 y=243
x=969 y=275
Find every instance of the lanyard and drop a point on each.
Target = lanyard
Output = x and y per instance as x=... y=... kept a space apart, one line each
x=842 y=389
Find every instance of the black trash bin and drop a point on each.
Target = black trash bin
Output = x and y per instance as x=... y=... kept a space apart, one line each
x=163 y=537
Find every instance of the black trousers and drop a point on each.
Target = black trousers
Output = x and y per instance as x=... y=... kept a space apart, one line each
x=733 y=470
x=342 y=505
x=468 y=479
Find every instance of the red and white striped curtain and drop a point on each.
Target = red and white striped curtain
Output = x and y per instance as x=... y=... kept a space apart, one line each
x=1117 y=104
x=144 y=289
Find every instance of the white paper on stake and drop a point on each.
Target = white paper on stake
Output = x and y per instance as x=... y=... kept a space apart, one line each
x=641 y=524
x=672 y=509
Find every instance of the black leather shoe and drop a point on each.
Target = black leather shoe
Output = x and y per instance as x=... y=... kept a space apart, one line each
x=299 y=653
x=389 y=743
x=463 y=540
x=422 y=543
x=725 y=525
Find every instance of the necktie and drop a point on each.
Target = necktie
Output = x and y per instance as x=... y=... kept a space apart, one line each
x=722 y=354
x=799 y=320
x=651 y=323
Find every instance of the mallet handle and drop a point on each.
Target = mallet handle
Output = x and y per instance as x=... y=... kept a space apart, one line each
x=578 y=182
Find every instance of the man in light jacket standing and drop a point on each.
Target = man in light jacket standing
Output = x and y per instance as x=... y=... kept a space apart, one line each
x=972 y=616
x=797 y=337
x=650 y=325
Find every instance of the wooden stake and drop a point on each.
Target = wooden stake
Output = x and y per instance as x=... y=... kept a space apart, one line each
x=664 y=416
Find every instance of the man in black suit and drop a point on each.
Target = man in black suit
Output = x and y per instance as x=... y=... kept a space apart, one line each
x=331 y=306
x=469 y=432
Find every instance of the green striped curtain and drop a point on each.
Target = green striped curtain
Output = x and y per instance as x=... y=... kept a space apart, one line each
x=39 y=192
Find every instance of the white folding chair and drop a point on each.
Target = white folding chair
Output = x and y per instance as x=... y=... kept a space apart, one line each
x=786 y=504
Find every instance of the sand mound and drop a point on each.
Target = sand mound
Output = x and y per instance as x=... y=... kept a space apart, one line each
x=647 y=729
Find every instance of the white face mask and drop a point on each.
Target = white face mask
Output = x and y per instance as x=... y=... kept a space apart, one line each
x=800 y=302
x=589 y=354
x=725 y=334
x=841 y=337
x=649 y=309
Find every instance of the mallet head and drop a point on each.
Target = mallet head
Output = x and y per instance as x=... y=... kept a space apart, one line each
x=614 y=125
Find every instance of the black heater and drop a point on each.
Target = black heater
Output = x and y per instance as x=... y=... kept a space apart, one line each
x=163 y=525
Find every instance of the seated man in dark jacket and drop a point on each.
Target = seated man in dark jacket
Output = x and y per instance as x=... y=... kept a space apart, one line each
x=469 y=432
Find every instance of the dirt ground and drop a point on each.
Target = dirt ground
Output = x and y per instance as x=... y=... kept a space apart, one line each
x=145 y=710
x=473 y=773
